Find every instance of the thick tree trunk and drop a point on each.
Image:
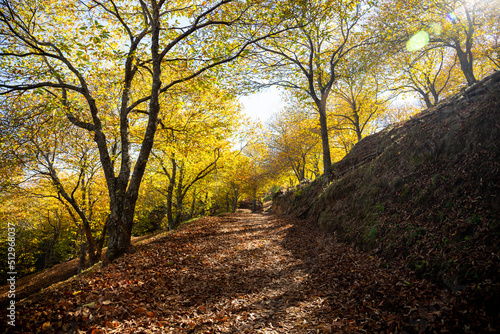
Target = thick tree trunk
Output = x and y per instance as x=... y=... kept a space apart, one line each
x=427 y=100
x=433 y=92
x=466 y=64
x=327 y=160
x=49 y=252
x=119 y=234
x=235 y=203
x=359 y=133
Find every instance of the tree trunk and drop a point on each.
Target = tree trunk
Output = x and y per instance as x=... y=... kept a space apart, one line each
x=432 y=89
x=235 y=203
x=49 y=252
x=327 y=160
x=82 y=256
x=92 y=247
x=359 y=132
x=466 y=64
x=170 y=193
x=179 y=208
x=316 y=168
x=254 y=204
x=204 y=203
x=193 y=202
x=427 y=100
x=119 y=232
x=303 y=170
x=235 y=198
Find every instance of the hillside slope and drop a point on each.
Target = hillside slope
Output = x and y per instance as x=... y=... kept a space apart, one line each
x=424 y=193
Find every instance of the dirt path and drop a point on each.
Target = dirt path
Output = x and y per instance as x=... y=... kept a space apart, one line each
x=249 y=274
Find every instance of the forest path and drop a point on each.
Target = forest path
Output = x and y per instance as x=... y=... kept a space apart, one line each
x=248 y=273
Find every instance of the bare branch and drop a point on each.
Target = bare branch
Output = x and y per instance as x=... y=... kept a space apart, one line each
x=25 y=87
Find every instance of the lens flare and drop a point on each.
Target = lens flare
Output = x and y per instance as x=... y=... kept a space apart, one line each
x=418 y=41
x=451 y=17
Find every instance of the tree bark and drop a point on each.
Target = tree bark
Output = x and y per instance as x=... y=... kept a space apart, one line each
x=235 y=197
x=427 y=100
x=119 y=228
x=81 y=258
x=193 y=202
x=327 y=160
x=466 y=63
x=179 y=207
x=359 y=131
x=170 y=194
x=254 y=202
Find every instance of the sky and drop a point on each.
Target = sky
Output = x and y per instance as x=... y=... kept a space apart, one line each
x=263 y=104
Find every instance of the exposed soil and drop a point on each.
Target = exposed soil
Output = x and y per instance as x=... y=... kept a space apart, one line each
x=249 y=273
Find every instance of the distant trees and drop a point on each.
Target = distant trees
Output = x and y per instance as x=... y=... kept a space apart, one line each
x=430 y=74
x=358 y=96
x=350 y=61
x=447 y=24
x=308 y=59
x=192 y=142
x=60 y=164
x=293 y=142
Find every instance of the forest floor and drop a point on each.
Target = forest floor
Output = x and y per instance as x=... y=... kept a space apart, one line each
x=33 y=283
x=249 y=273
